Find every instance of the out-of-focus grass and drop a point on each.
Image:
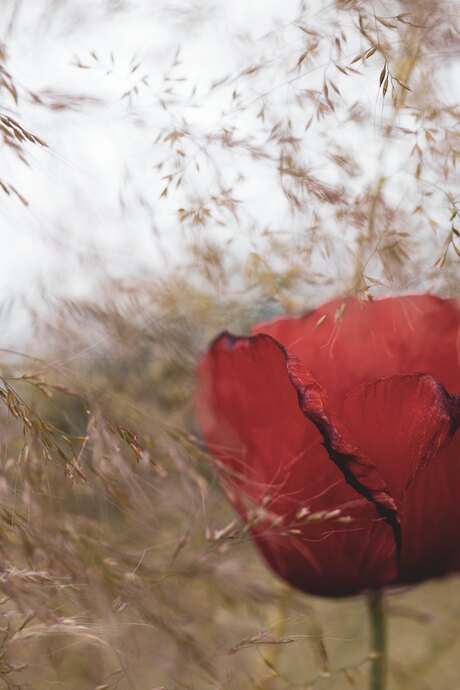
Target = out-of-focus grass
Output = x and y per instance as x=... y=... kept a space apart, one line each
x=113 y=570
x=110 y=570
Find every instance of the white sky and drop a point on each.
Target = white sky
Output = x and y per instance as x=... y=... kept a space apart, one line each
x=93 y=195
x=73 y=188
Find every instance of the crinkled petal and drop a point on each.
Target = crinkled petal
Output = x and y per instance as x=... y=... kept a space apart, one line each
x=406 y=426
x=266 y=421
x=395 y=335
x=431 y=516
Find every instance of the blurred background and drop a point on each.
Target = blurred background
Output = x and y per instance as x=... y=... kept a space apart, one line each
x=169 y=170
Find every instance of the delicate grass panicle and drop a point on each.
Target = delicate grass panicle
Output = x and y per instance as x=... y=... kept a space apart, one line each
x=316 y=157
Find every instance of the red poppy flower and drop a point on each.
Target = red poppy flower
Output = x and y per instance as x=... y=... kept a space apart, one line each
x=335 y=440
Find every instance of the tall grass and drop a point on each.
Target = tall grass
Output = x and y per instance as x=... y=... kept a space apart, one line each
x=323 y=162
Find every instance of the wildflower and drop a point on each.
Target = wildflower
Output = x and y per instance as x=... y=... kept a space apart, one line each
x=335 y=438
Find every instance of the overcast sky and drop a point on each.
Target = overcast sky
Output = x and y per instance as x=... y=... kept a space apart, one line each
x=93 y=195
x=83 y=191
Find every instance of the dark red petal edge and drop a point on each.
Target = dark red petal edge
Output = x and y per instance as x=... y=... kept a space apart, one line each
x=358 y=471
x=453 y=403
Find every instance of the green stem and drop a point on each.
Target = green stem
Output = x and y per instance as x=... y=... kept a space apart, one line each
x=379 y=641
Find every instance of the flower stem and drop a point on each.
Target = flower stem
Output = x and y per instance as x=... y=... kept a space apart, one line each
x=379 y=641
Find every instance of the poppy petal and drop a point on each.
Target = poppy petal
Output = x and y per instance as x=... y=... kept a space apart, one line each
x=401 y=423
x=431 y=516
x=405 y=425
x=344 y=343
x=319 y=523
